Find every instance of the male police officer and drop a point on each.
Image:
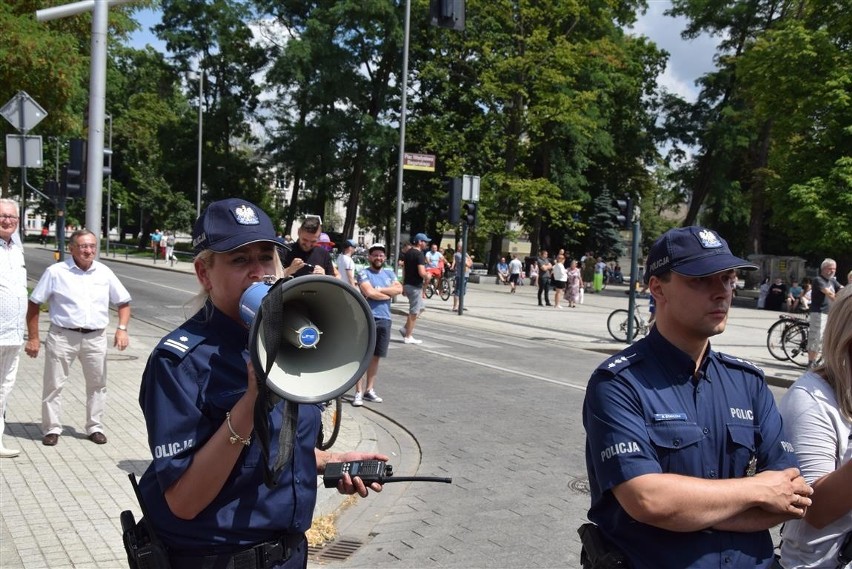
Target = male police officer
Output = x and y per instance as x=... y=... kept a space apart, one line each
x=687 y=459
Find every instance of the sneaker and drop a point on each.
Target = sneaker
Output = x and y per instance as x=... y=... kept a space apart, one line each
x=358 y=400
x=411 y=340
x=371 y=396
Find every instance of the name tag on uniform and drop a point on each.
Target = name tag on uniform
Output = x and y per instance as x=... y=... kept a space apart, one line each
x=660 y=417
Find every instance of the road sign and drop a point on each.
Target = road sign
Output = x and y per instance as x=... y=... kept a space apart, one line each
x=470 y=188
x=422 y=162
x=14 y=143
x=32 y=112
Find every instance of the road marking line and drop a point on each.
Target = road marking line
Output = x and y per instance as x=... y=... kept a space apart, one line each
x=505 y=369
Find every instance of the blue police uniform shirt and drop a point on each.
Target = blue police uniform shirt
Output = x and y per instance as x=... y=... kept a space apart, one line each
x=643 y=414
x=379 y=279
x=193 y=377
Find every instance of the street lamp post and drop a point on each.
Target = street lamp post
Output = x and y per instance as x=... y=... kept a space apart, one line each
x=200 y=114
x=109 y=185
x=402 y=114
x=120 y=235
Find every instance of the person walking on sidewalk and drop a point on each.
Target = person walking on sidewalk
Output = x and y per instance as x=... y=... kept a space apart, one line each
x=379 y=286
x=687 y=459
x=13 y=309
x=515 y=270
x=462 y=272
x=205 y=491
x=544 y=268
x=79 y=292
x=824 y=289
x=413 y=275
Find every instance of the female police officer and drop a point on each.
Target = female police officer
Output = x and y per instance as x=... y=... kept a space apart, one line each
x=204 y=491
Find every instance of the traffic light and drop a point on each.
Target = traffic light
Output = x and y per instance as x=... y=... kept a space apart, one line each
x=625 y=212
x=447 y=14
x=469 y=214
x=75 y=174
x=452 y=211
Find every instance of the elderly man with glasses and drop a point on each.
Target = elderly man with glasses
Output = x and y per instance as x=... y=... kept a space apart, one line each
x=13 y=308
x=79 y=293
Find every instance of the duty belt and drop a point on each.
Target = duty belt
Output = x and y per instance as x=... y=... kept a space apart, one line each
x=261 y=556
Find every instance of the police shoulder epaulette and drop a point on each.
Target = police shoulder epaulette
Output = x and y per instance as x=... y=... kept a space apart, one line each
x=180 y=342
x=739 y=363
x=620 y=361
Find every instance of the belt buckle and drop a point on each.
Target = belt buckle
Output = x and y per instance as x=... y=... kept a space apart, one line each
x=269 y=553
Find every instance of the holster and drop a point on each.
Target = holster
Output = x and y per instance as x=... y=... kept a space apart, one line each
x=597 y=551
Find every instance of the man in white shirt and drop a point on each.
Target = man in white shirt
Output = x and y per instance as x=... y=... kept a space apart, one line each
x=13 y=307
x=345 y=264
x=79 y=292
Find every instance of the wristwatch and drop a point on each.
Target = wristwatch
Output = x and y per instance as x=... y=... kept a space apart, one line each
x=122 y=327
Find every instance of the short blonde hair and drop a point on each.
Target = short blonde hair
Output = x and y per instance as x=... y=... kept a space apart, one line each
x=836 y=368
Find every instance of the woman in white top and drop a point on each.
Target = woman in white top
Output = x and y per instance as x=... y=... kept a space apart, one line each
x=817 y=413
x=560 y=278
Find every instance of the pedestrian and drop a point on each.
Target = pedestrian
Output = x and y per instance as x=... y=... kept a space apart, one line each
x=345 y=264
x=544 y=268
x=687 y=459
x=205 y=492
x=817 y=413
x=560 y=280
x=170 y=247
x=156 y=239
x=379 y=286
x=413 y=275
x=574 y=285
x=304 y=257
x=13 y=309
x=824 y=288
x=515 y=270
x=79 y=292
x=42 y=239
x=600 y=269
x=462 y=272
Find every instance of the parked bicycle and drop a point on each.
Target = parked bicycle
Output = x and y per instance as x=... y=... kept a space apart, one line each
x=618 y=320
x=332 y=413
x=787 y=339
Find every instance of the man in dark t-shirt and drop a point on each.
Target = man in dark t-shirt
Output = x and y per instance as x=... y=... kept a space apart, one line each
x=303 y=256
x=413 y=275
x=825 y=287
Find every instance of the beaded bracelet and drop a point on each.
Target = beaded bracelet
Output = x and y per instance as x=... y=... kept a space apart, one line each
x=235 y=438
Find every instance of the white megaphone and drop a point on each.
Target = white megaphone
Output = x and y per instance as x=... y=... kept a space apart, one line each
x=324 y=333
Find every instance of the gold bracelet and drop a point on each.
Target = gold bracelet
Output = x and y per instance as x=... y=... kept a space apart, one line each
x=235 y=438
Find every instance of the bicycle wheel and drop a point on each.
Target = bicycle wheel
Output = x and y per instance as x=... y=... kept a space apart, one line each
x=795 y=344
x=617 y=325
x=430 y=289
x=775 y=337
x=332 y=412
x=445 y=289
